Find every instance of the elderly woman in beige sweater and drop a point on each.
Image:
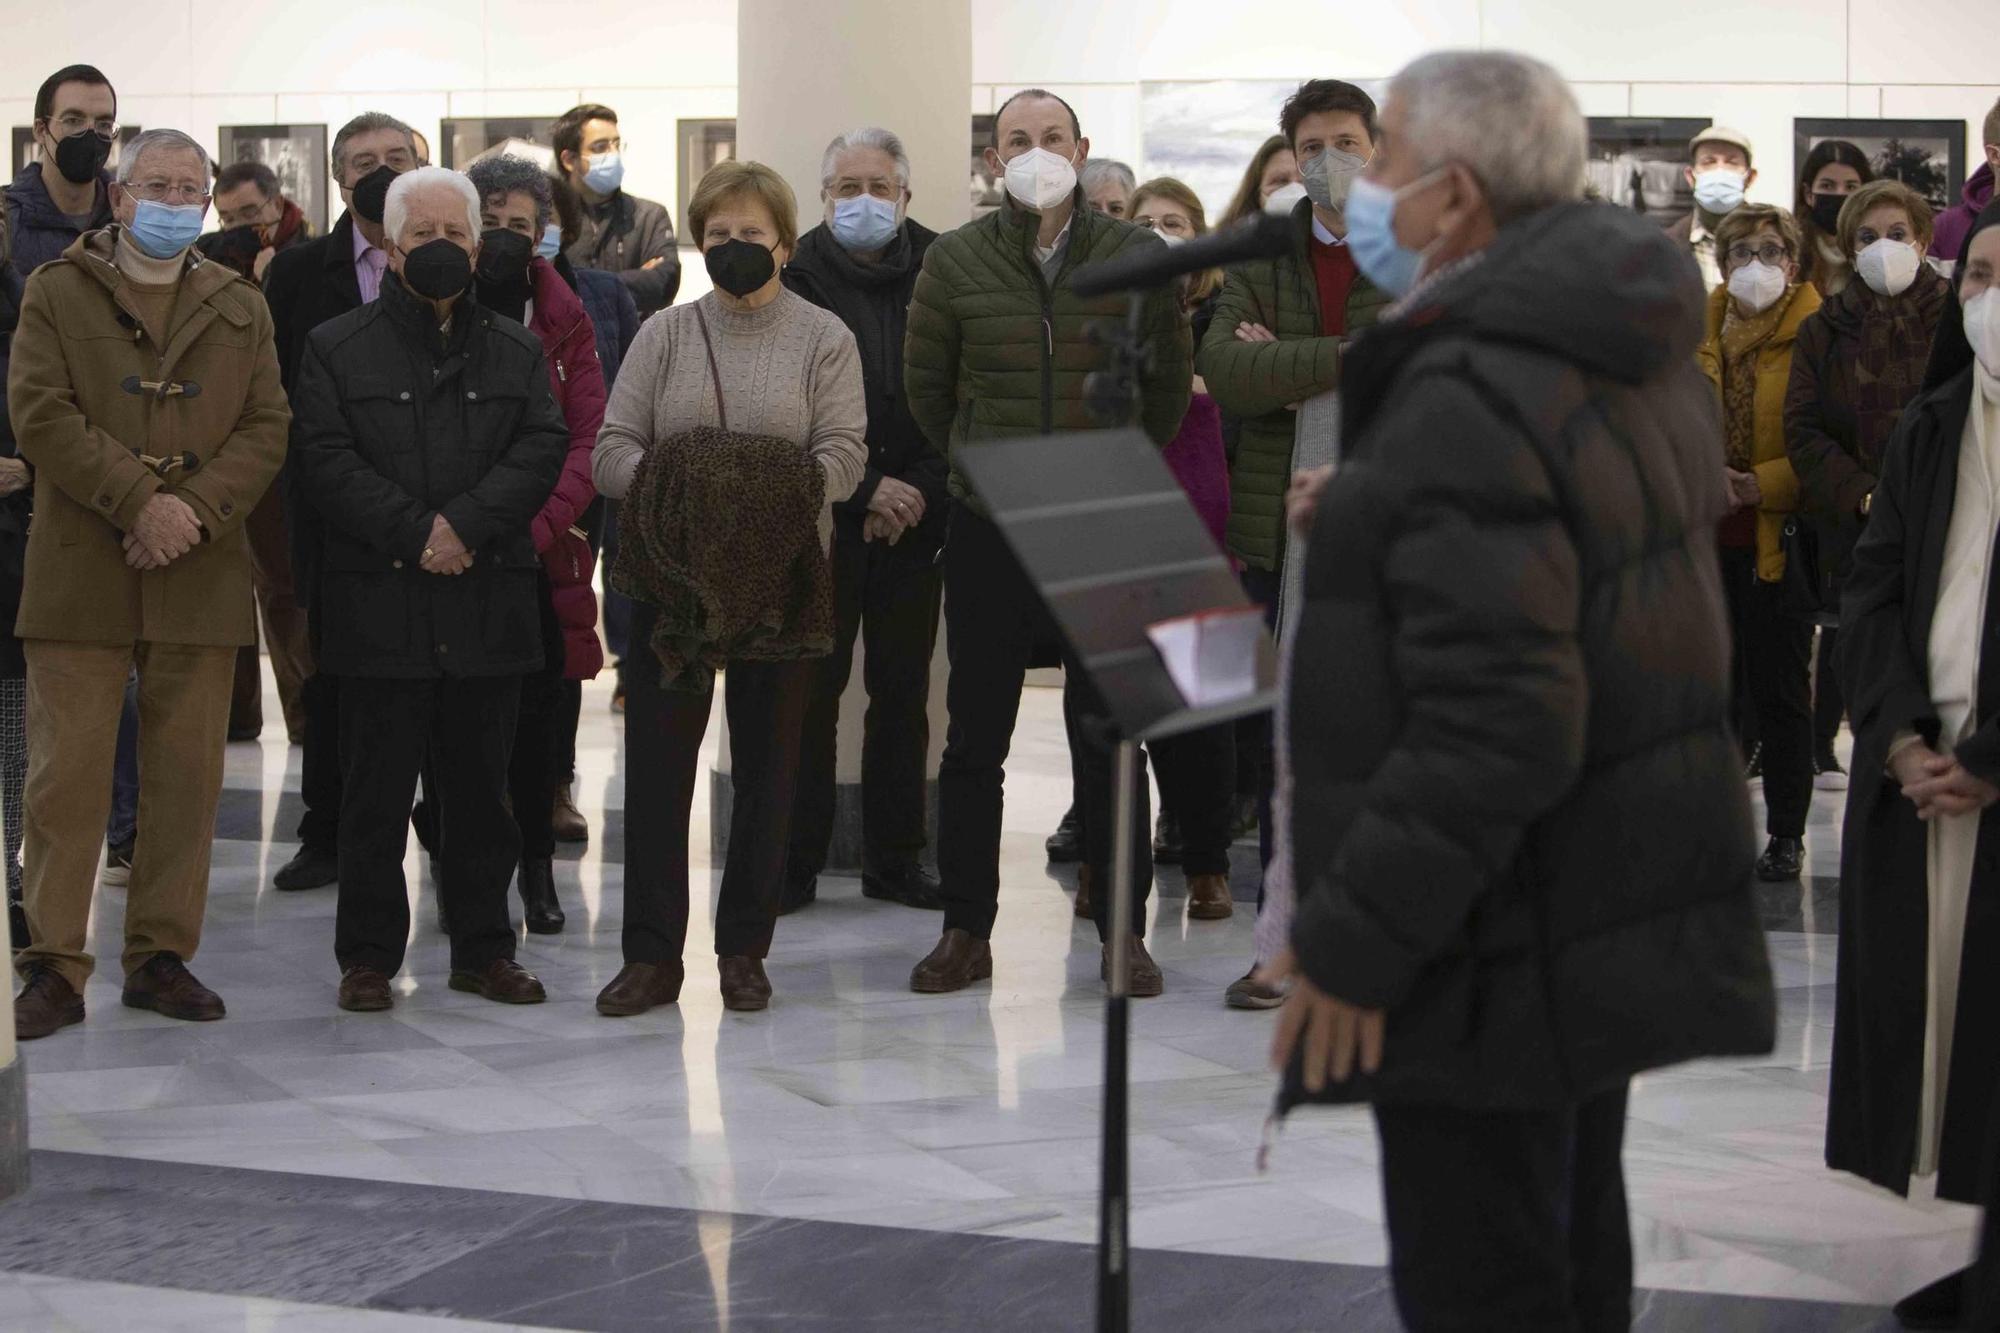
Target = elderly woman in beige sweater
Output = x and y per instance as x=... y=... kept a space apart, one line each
x=752 y=358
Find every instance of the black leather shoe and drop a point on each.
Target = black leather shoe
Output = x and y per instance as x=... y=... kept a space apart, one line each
x=639 y=987
x=911 y=885
x=957 y=962
x=503 y=980
x=365 y=990
x=797 y=897
x=539 y=908
x=1783 y=859
x=309 y=868
x=1065 y=845
x=745 y=988
x=1167 y=847
x=1940 y=1305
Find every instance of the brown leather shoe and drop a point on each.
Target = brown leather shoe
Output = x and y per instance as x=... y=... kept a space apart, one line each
x=745 y=988
x=1083 y=888
x=568 y=822
x=1208 y=898
x=363 y=990
x=639 y=987
x=45 y=1004
x=1146 y=979
x=957 y=962
x=504 y=980
x=164 y=985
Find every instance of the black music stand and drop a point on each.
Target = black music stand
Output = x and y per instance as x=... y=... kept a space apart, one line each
x=1113 y=546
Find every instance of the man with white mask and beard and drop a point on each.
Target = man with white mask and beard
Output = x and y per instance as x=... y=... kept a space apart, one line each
x=999 y=345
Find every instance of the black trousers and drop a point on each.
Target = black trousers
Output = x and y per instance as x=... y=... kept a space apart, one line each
x=1508 y=1221
x=1829 y=705
x=1775 y=648
x=993 y=619
x=569 y=712
x=320 y=770
x=766 y=702
x=388 y=726
x=890 y=601
x=532 y=776
x=1197 y=775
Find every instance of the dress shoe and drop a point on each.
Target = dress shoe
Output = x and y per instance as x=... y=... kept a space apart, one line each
x=504 y=980
x=957 y=962
x=1940 y=1305
x=1146 y=979
x=745 y=988
x=1246 y=992
x=539 y=908
x=797 y=896
x=309 y=868
x=45 y=1004
x=568 y=821
x=1065 y=845
x=911 y=885
x=363 y=990
x=1085 y=907
x=639 y=987
x=1208 y=898
x=164 y=985
x=1167 y=846
x=1783 y=859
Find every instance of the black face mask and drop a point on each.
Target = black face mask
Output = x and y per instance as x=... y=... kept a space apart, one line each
x=1826 y=212
x=503 y=257
x=236 y=247
x=437 y=270
x=81 y=156
x=371 y=193
x=740 y=267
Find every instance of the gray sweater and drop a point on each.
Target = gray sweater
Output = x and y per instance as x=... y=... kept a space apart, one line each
x=789 y=369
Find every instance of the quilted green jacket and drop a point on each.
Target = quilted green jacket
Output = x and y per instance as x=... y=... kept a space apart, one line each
x=1259 y=382
x=993 y=350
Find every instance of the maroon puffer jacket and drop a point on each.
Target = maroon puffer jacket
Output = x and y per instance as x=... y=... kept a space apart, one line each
x=570 y=343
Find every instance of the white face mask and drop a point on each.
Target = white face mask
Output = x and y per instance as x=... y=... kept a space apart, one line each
x=1757 y=285
x=1285 y=198
x=1982 y=328
x=1040 y=180
x=1888 y=267
x=1170 y=239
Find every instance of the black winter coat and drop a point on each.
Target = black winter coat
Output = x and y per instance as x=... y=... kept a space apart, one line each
x=392 y=426
x=1521 y=825
x=1883 y=986
x=873 y=301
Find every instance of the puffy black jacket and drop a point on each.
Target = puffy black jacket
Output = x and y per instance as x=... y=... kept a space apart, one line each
x=1522 y=827
x=38 y=231
x=394 y=425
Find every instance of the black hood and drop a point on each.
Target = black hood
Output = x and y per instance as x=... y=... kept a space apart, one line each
x=33 y=207
x=1600 y=286
x=1951 y=350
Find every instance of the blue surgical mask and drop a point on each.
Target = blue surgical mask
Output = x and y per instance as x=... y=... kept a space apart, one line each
x=164 y=230
x=864 y=223
x=1720 y=190
x=604 y=173
x=1371 y=235
x=551 y=243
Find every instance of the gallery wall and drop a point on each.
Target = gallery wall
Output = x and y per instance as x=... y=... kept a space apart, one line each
x=202 y=64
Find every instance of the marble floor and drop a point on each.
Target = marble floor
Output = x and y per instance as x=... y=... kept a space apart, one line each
x=947 y=1136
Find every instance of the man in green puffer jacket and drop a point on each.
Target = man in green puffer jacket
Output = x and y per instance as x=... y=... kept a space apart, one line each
x=1000 y=345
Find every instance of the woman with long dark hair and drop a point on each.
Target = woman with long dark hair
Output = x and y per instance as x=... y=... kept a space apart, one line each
x=1274 y=168
x=1833 y=170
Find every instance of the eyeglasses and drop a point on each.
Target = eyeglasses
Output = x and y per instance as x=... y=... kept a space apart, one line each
x=75 y=122
x=159 y=192
x=1770 y=252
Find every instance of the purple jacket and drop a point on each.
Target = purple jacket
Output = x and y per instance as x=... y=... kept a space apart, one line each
x=1196 y=458
x=1955 y=223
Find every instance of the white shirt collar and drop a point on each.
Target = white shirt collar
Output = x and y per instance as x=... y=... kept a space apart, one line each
x=1323 y=236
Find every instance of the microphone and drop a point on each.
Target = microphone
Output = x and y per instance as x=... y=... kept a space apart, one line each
x=1265 y=236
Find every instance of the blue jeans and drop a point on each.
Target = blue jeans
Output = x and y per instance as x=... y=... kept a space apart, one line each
x=124 y=824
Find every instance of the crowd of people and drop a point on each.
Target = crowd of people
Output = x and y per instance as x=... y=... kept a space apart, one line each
x=1461 y=438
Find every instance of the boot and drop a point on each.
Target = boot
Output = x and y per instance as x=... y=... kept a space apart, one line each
x=568 y=821
x=1783 y=859
x=1208 y=898
x=1065 y=845
x=539 y=908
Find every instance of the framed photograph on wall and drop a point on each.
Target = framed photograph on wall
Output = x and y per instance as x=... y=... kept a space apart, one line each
x=26 y=154
x=987 y=190
x=466 y=138
x=296 y=153
x=1640 y=163
x=1926 y=155
x=702 y=144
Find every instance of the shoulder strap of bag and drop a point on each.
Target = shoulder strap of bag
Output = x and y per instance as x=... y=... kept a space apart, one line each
x=714 y=375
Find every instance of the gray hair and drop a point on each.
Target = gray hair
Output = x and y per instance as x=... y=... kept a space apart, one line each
x=366 y=123
x=1509 y=119
x=498 y=176
x=396 y=212
x=870 y=137
x=1097 y=171
x=128 y=157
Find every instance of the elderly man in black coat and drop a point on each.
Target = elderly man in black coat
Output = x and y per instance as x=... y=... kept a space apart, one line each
x=427 y=438
x=1522 y=838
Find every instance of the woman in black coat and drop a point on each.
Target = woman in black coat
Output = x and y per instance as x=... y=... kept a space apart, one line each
x=1916 y=1054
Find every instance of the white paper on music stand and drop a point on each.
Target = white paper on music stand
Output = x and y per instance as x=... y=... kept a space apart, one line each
x=1212 y=655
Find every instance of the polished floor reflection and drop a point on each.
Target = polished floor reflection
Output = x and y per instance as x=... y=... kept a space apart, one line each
x=853 y=1101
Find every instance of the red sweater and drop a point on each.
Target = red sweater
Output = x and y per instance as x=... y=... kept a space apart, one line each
x=1333 y=268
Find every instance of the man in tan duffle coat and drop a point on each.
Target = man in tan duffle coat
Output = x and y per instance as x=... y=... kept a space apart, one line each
x=144 y=392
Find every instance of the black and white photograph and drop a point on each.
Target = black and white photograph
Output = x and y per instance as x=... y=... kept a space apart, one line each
x=465 y=139
x=1926 y=155
x=702 y=144
x=988 y=191
x=26 y=154
x=296 y=153
x=1640 y=163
